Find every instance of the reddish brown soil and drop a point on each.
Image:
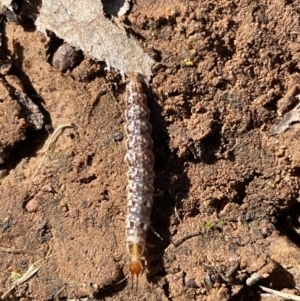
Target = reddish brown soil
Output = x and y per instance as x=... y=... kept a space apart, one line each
x=227 y=201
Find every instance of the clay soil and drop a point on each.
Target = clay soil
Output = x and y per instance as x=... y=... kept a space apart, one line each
x=227 y=157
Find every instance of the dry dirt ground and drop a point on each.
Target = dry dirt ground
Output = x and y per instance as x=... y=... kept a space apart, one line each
x=223 y=101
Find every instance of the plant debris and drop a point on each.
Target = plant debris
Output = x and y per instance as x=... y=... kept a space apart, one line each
x=84 y=26
x=287 y=119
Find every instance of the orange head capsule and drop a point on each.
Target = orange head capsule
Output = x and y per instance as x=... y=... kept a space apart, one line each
x=135 y=268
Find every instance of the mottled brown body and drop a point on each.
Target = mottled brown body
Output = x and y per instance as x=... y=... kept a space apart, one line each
x=139 y=158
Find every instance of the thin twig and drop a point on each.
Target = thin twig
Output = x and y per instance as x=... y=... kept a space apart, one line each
x=216 y=269
x=254 y=278
x=122 y=280
x=48 y=146
x=175 y=209
x=153 y=230
x=111 y=94
x=181 y=240
x=60 y=290
x=11 y=250
x=280 y=294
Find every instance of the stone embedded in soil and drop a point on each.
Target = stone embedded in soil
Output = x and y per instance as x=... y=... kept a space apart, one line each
x=47 y=188
x=65 y=57
x=118 y=136
x=32 y=206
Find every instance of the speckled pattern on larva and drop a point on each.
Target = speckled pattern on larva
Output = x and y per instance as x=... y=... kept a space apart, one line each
x=139 y=158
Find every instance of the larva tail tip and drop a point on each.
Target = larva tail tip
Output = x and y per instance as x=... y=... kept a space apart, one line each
x=135 y=268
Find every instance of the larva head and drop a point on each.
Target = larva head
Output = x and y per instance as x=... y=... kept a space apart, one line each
x=135 y=268
x=136 y=251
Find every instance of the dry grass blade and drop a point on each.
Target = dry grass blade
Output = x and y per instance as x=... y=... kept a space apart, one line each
x=33 y=269
x=49 y=144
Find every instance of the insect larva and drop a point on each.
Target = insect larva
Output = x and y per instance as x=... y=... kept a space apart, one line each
x=139 y=158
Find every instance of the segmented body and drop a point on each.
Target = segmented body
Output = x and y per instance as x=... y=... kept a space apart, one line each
x=139 y=158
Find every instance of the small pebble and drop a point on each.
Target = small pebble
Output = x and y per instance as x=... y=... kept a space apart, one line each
x=32 y=206
x=118 y=136
x=47 y=188
x=248 y=217
x=190 y=282
x=207 y=281
x=215 y=277
x=65 y=57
